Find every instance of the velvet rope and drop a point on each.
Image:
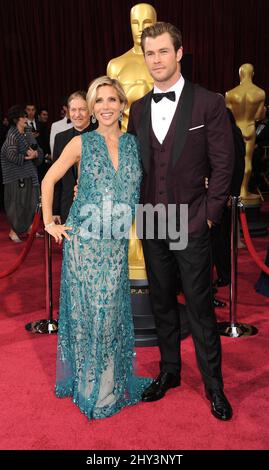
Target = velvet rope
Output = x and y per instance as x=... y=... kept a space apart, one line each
x=26 y=249
x=250 y=245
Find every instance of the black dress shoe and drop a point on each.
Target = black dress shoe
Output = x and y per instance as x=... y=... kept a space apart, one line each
x=159 y=386
x=220 y=407
x=218 y=303
x=221 y=282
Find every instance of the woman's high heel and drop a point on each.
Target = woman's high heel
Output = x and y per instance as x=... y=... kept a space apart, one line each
x=15 y=238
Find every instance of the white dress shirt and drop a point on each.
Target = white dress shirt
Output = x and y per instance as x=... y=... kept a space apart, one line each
x=32 y=124
x=56 y=127
x=163 y=112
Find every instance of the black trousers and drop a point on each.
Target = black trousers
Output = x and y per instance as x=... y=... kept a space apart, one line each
x=221 y=242
x=195 y=267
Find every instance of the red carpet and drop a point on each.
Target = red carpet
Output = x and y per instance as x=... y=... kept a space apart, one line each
x=32 y=418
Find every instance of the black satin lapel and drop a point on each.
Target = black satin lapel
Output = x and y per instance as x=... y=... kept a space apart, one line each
x=183 y=120
x=144 y=132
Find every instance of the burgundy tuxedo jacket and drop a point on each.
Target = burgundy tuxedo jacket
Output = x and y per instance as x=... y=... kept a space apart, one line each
x=202 y=147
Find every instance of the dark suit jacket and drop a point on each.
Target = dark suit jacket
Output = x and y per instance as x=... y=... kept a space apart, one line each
x=64 y=189
x=43 y=139
x=203 y=145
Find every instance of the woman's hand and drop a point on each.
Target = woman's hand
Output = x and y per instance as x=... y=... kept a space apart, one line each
x=58 y=231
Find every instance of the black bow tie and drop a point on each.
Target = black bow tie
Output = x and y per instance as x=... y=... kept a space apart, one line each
x=159 y=96
x=77 y=132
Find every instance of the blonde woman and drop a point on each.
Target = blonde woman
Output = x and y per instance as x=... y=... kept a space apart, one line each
x=96 y=339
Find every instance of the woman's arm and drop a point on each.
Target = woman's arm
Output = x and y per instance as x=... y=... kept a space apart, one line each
x=70 y=156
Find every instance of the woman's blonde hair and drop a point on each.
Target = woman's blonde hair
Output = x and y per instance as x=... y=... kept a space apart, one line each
x=104 y=81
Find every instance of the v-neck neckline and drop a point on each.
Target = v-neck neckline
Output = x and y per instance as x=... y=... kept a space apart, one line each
x=107 y=151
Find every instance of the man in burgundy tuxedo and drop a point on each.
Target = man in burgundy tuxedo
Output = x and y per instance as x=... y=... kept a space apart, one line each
x=185 y=136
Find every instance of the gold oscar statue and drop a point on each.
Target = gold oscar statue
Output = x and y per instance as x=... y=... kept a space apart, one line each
x=130 y=68
x=131 y=71
x=246 y=101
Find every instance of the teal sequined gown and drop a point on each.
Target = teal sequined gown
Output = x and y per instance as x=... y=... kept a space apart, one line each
x=96 y=337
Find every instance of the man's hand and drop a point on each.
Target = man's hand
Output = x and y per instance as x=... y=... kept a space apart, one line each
x=210 y=223
x=229 y=202
x=75 y=192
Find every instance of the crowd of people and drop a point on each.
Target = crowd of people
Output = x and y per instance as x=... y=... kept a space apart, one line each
x=25 y=158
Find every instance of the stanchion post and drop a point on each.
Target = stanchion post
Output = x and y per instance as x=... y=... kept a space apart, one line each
x=234 y=255
x=50 y=325
x=232 y=328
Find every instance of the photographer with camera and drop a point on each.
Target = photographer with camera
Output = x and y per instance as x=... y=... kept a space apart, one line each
x=20 y=156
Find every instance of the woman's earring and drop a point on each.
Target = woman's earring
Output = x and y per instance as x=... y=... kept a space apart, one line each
x=93 y=118
x=121 y=116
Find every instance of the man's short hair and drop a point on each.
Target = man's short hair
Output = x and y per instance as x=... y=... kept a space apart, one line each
x=159 y=28
x=76 y=94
